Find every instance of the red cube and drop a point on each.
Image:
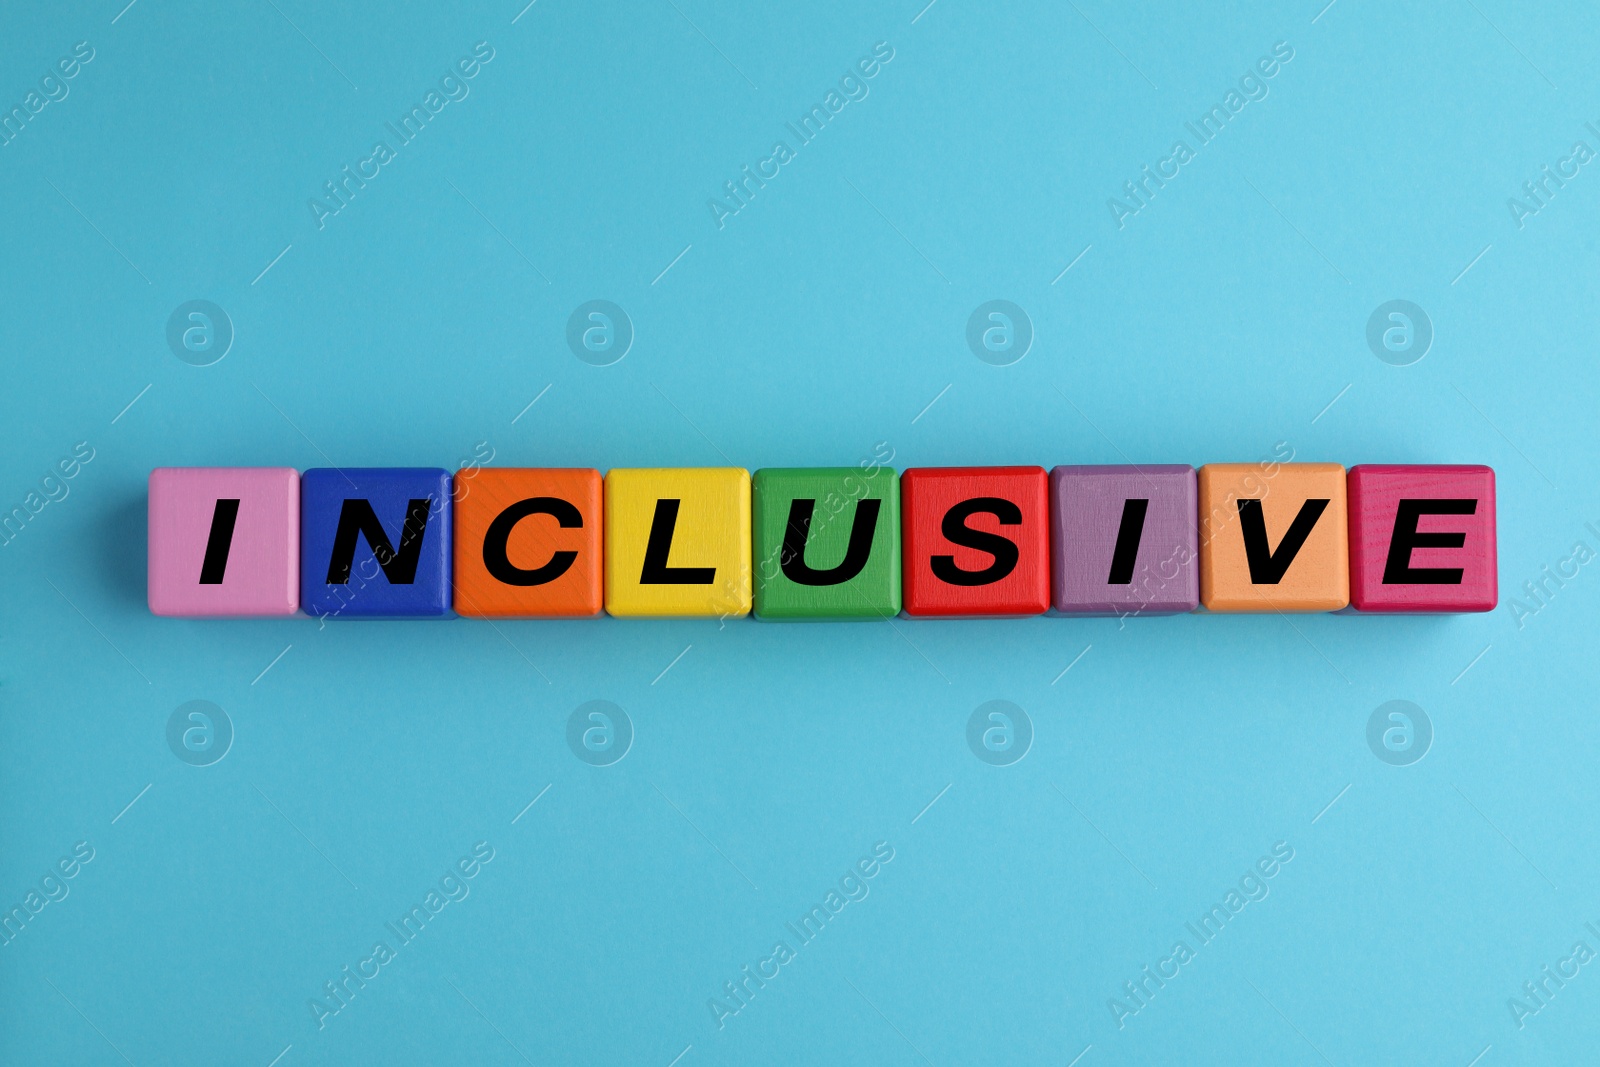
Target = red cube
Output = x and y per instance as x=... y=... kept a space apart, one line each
x=976 y=541
x=1422 y=538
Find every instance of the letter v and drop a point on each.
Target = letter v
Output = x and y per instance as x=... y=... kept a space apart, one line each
x=1267 y=565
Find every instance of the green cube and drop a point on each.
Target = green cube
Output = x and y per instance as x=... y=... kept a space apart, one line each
x=826 y=543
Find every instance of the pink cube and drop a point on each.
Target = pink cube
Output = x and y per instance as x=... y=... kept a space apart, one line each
x=1422 y=539
x=224 y=541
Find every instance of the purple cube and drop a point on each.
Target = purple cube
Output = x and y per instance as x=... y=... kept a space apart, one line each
x=1124 y=540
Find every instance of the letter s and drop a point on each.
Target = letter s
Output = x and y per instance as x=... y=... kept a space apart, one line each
x=957 y=532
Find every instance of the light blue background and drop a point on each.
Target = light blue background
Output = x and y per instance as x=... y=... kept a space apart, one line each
x=822 y=319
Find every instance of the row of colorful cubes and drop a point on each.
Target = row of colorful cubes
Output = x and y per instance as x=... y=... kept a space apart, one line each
x=821 y=543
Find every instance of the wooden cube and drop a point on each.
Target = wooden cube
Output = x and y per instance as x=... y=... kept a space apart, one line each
x=375 y=542
x=826 y=543
x=528 y=543
x=1124 y=540
x=1422 y=538
x=1273 y=537
x=678 y=542
x=224 y=541
x=975 y=541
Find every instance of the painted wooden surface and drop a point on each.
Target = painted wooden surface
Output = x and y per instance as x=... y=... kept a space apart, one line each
x=1124 y=540
x=976 y=540
x=1422 y=538
x=1273 y=537
x=375 y=541
x=678 y=542
x=822 y=542
x=826 y=543
x=224 y=541
x=529 y=543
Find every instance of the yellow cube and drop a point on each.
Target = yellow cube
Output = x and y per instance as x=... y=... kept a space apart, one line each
x=678 y=542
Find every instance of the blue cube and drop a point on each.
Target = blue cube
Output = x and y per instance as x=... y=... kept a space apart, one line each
x=375 y=542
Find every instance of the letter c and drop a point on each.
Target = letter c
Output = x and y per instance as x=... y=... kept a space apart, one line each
x=494 y=542
x=1163 y=171
x=1162 y=970
x=761 y=966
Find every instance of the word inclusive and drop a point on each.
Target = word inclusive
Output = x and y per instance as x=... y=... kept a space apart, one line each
x=821 y=543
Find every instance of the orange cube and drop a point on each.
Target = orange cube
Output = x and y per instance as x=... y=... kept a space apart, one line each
x=1273 y=537
x=528 y=543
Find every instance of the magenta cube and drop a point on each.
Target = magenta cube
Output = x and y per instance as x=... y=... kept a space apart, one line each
x=1422 y=538
x=224 y=541
x=1124 y=540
